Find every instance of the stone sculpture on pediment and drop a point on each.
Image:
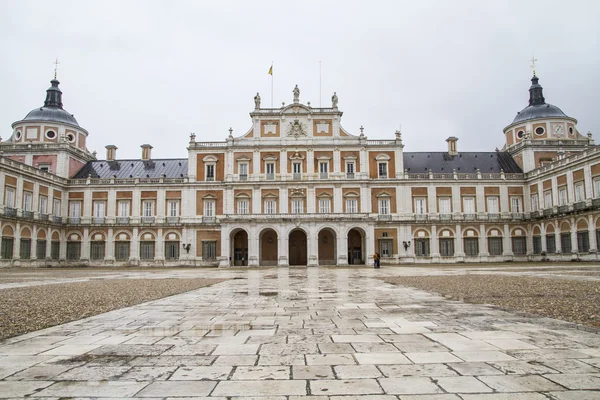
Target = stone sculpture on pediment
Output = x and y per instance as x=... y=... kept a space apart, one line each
x=296 y=129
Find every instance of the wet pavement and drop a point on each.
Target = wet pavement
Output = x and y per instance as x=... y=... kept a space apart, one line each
x=292 y=332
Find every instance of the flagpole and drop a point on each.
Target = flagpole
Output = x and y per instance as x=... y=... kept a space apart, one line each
x=320 y=97
x=271 y=84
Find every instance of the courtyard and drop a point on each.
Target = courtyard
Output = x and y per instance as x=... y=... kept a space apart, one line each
x=504 y=331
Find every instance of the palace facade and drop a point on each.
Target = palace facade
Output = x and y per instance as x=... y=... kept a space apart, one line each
x=298 y=189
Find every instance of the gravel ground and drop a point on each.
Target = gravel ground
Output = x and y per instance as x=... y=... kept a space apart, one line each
x=568 y=300
x=29 y=309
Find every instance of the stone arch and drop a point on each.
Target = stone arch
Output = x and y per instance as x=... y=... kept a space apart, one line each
x=122 y=241
x=327 y=246
x=357 y=245
x=565 y=227
x=269 y=246
x=470 y=231
x=446 y=232
x=239 y=246
x=97 y=236
x=147 y=236
x=549 y=229
x=122 y=236
x=41 y=234
x=518 y=231
x=55 y=236
x=298 y=246
x=172 y=236
x=74 y=236
x=25 y=233
x=582 y=225
x=8 y=231
x=171 y=245
x=421 y=232
x=495 y=231
x=537 y=230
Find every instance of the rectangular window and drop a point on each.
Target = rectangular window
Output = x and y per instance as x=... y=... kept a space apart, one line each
x=56 y=208
x=534 y=202
x=324 y=206
x=243 y=172
x=384 y=206
x=469 y=205
x=123 y=208
x=583 y=242
x=270 y=168
x=99 y=209
x=74 y=209
x=148 y=208
x=146 y=250
x=562 y=196
x=471 y=247
x=7 y=248
x=446 y=247
x=492 y=205
x=54 y=250
x=565 y=242
x=242 y=206
x=385 y=248
x=495 y=245
x=422 y=247
x=25 y=249
x=73 y=250
x=324 y=170
x=550 y=244
x=27 y=201
x=579 y=192
x=537 y=245
x=351 y=206
x=209 y=208
x=350 y=170
x=172 y=250
x=270 y=207
x=173 y=208
x=43 y=205
x=548 y=199
x=297 y=206
x=519 y=246
x=596 y=184
x=97 y=250
x=209 y=251
x=516 y=205
x=420 y=205
x=122 y=251
x=445 y=205
x=10 y=198
x=210 y=172
x=297 y=170
x=382 y=170
x=40 y=250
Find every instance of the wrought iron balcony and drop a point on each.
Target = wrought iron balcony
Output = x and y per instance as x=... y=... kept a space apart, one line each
x=74 y=220
x=28 y=214
x=493 y=216
x=243 y=177
x=349 y=175
x=580 y=206
x=445 y=217
x=148 y=220
x=98 y=220
x=324 y=175
x=563 y=209
x=10 y=212
x=470 y=217
x=384 y=217
x=209 y=220
x=123 y=220
x=421 y=217
x=297 y=176
x=43 y=217
x=57 y=220
x=270 y=177
x=172 y=220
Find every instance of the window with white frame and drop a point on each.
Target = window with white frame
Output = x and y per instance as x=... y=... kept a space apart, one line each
x=243 y=171
x=209 y=208
x=384 y=206
x=548 y=199
x=210 y=172
x=324 y=206
x=579 y=192
x=242 y=206
x=445 y=205
x=123 y=208
x=469 y=205
x=27 y=201
x=596 y=183
x=270 y=170
x=382 y=169
x=350 y=169
x=516 y=205
x=99 y=209
x=562 y=196
x=324 y=169
x=148 y=208
x=297 y=169
x=270 y=206
x=43 y=205
x=9 y=201
x=420 y=205
x=173 y=208
x=492 y=204
x=56 y=208
x=534 y=202
x=351 y=206
x=297 y=206
x=75 y=209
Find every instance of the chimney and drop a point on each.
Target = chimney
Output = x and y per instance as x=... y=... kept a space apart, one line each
x=111 y=152
x=452 y=150
x=146 y=149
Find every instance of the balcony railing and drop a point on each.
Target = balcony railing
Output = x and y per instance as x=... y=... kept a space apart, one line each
x=43 y=217
x=470 y=217
x=243 y=177
x=28 y=214
x=421 y=217
x=493 y=216
x=349 y=175
x=172 y=220
x=209 y=220
x=10 y=212
x=297 y=176
x=580 y=206
x=148 y=220
x=56 y=219
x=548 y=212
x=210 y=178
x=517 y=215
x=384 y=217
x=98 y=220
x=299 y=216
x=74 y=220
x=596 y=203
x=324 y=175
x=383 y=176
x=445 y=217
x=270 y=177
x=535 y=214
x=122 y=220
x=563 y=209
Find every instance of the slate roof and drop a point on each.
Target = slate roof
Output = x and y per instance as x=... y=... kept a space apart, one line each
x=539 y=111
x=51 y=114
x=121 y=169
x=467 y=162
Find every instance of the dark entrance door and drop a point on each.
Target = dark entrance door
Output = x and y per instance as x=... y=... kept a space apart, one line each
x=297 y=248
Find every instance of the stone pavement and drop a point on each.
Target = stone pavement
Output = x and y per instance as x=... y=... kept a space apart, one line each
x=293 y=332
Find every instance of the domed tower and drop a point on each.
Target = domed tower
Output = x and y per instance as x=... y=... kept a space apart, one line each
x=542 y=131
x=49 y=138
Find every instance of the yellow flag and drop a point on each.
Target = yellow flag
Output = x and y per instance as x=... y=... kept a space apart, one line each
x=271 y=70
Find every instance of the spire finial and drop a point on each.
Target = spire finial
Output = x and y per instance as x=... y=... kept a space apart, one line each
x=532 y=66
x=55 y=67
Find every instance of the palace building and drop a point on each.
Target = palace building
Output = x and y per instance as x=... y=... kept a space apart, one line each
x=298 y=189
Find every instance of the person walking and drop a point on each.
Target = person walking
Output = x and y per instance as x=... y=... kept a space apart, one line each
x=376 y=260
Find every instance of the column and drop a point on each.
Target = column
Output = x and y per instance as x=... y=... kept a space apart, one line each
x=365 y=198
x=256 y=166
x=225 y=247
x=109 y=254
x=253 y=243
x=313 y=246
x=85 y=245
x=435 y=248
x=370 y=244
x=342 y=246
x=504 y=201
x=282 y=247
x=336 y=162
x=229 y=160
x=338 y=205
x=34 y=239
x=159 y=243
x=283 y=169
x=17 y=243
x=256 y=200
x=160 y=204
x=589 y=187
x=311 y=200
x=310 y=164
x=134 y=251
x=592 y=234
x=570 y=191
x=506 y=242
x=364 y=162
x=458 y=243
x=574 y=247
x=483 y=249
x=283 y=200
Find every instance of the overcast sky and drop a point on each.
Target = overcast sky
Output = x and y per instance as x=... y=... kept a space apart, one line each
x=135 y=72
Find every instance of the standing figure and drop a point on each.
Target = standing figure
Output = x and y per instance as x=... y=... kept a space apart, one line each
x=257 y=101
x=296 y=94
x=334 y=100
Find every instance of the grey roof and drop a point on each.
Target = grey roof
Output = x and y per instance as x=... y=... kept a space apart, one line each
x=51 y=114
x=539 y=111
x=468 y=162
x=167 y=168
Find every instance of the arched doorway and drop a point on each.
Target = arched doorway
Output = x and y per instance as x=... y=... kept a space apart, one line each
x=327 y=247
x=356 y=247
x=268 y=247
x=297 y=247
x=239 y=247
